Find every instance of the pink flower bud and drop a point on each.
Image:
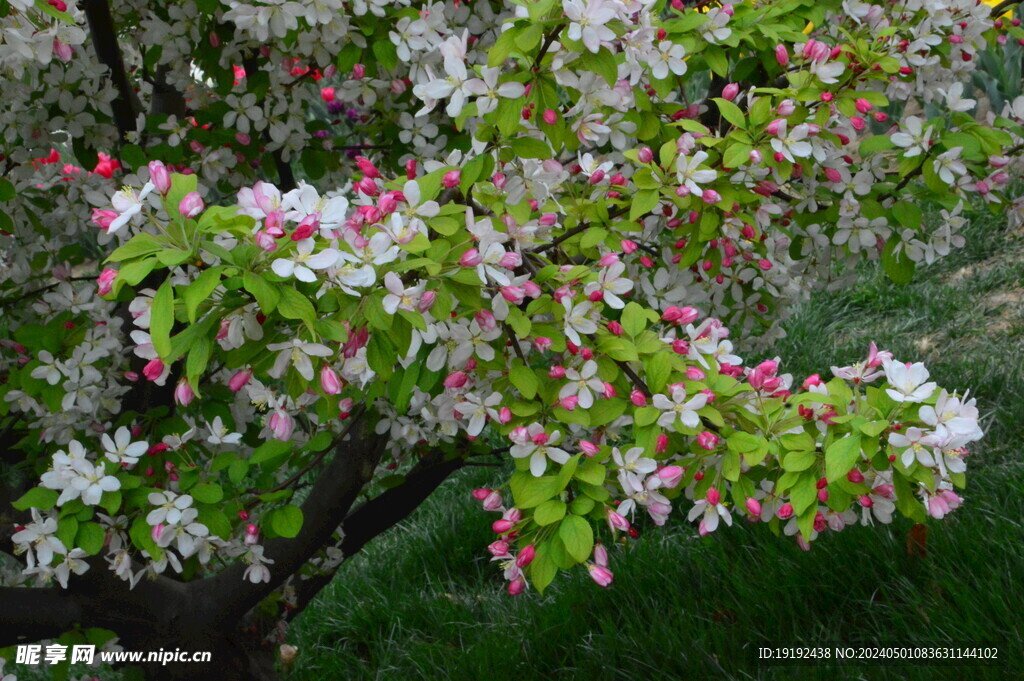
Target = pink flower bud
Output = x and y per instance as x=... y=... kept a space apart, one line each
x=556 y=372
x=773 y=127
x=471 y=258
x=481 y=493
x=681 y=346
x=191 y=206
x=543 y=343
x=615 y=328
x=160 y=177
x=456 y=379
x=671 y=476
x=516 y=586
x=755 y=157
x=550 y=116
x=645 y=155
x=153 y=369
x=498 y=549
x=426 y=301
x=730 y=91
x=707 y=440
x=451 y=179
x=526 y=556
x=502 y=526
x=617 y=521
x=855 y=476
x=282 y=425
x=695 y=373
x=156 y=531
x=781 y=55
x=588 y=448
x=785 y=511
x=661 y=444
x=600 y=574
x=330 y=381
x=492 y=502
x=753 y=506
x=106 y=281
x=569 y=403
x=511 y=260
x=410 y=169
x=786 y=108
x=486 y=320
x=239 y=380
x=183 y=393
x=638 y=398
x=252 y=534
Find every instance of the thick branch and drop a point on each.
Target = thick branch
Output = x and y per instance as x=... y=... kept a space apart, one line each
x=96 y=599
x=229 y=595
x=108 y=51
x=34 y=614
x=379 y=515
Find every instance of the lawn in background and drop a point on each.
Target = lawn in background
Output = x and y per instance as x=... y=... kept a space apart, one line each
x=422 y=602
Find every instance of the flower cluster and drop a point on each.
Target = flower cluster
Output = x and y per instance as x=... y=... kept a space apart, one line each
x=550 y=230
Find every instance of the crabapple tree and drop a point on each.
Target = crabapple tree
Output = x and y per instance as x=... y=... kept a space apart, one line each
x=271 y=271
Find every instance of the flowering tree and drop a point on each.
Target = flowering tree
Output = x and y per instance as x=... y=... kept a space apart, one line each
x=362 y=244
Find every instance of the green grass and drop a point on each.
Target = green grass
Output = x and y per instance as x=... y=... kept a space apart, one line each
x=423 y=603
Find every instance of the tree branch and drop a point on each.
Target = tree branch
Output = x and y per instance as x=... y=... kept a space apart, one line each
x=379 y=515
x=108 y=51
x=229 y=596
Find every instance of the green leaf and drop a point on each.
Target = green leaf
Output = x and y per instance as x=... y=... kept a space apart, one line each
x=549 y=512
x=139 y=245
x=603 y=64
x=525 y=381
x=897 y=266
x=199 y=290
x=591 y=472
x=578 y=537
x=799 y=461
x=877 y=143
x=386 y=53
x=294 y=305
x=841 y=456
x=731 y=113
x=737 y=155
x=543 y=568
x=528 y=491
x=502 y=47
x=287 y=521
x=6 y=190
x=804 y=493
x=634 y=319
x=644 y=202
x=207 y=493
x=716 y=60
x=47 y=8
x=90 y=538
x=908 y=214
x=37 y=497
x=198 y=359
x=161 y=319
x=181 y=185
x=658 y=369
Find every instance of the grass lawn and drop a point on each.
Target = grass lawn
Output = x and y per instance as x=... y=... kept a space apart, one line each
x=423 y=603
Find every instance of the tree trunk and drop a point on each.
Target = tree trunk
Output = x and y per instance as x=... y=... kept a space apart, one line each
x=235 y=655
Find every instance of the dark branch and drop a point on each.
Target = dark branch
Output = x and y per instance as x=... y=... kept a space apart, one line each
x=379 y=515
x=108 y=51
x=329 y=501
